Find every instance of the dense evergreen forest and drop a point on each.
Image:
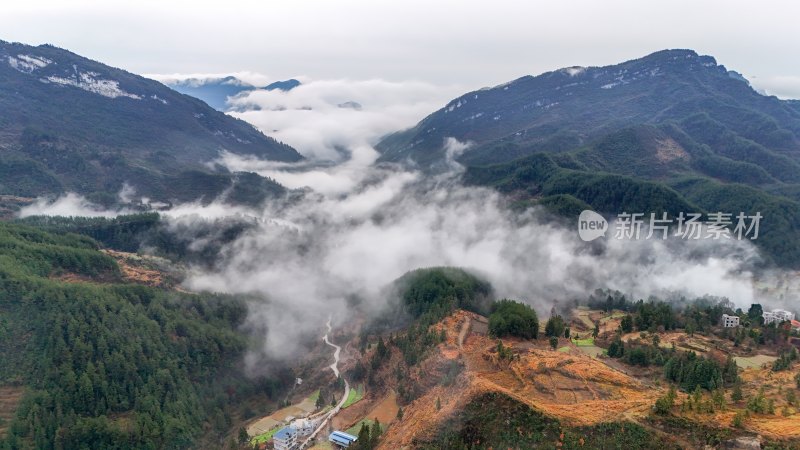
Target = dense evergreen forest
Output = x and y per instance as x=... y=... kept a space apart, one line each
x=130 y=233
x=104 y=364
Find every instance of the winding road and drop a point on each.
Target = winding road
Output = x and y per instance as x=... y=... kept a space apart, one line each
x=335 y=368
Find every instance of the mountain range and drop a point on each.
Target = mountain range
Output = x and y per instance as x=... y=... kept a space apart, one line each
x=216 y=91
x=576 y=107
x=72 y=124
x=672 y=131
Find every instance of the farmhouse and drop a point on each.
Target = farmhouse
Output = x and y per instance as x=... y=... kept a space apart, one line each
x=730 y=321
x=304 y=427
x=285 y=438
x=777 y=316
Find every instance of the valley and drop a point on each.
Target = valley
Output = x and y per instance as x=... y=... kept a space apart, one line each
x=223 y=259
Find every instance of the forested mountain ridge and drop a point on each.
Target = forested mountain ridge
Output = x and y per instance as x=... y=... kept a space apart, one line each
x=107 y=364
x=673 y=131
x=72 y=124
x=575 y=106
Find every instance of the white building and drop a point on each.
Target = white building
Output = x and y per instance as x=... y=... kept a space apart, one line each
x=342 y=439
x=285 y=438
x=304 y=427
x=777 y=316
x=730 y=321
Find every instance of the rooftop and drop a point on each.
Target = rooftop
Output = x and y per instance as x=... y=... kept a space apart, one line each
x=343 y=435
x=284 y=433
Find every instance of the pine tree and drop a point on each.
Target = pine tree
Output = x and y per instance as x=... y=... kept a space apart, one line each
x=243 y=436
x=664 y=404
x=376 y=429
x=320 y=401
x=381 y=350
x=738 y=419
x=438 y=403
x=730 y=373
x=737 y=395
x=718 y=397
x=627 y=324
x=363 y=436
x=400 y=413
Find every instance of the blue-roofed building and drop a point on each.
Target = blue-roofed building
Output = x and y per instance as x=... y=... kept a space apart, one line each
x=285 y=438
x=342 y=439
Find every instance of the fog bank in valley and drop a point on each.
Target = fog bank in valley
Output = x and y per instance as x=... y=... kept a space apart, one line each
x=351 y=227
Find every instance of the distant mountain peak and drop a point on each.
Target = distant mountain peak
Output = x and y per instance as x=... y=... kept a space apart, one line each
x=217 y=91
x=568 y=107
x=285 y=85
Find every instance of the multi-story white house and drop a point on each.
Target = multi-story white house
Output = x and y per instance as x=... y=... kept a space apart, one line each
x=777 y=316
x=304 y=427
x=730 y=321
x=285 y=438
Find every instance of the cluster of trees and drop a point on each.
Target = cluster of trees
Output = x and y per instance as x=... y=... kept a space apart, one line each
x=125 y=233
x=691 y=371
x=785 y=360
x=639 y=354
x=665 y=403
x=510 y=318
x=112 y=365
x=556 y=327
x=427 y=296
x=368 y=436
x=697 y=314
x=701 y=315
x=760 y=404
x=505 y=353
x=416 y=341
x=440 y=290
x=697 y=402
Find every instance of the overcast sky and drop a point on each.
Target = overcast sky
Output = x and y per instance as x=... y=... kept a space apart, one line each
x=454 y=42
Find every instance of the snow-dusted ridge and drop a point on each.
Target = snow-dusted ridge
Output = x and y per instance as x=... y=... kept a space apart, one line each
x=28 y=63
x=87 y=80
x=90 y=81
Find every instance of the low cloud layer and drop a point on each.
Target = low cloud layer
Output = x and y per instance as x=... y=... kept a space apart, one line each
x=67 y=205
x=352 y=227
x=327 y=119
x=199 y=79
x=318 y=255
x=312 y=257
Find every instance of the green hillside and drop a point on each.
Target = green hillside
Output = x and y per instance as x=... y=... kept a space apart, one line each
x=72 y=124
x=104 y=364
